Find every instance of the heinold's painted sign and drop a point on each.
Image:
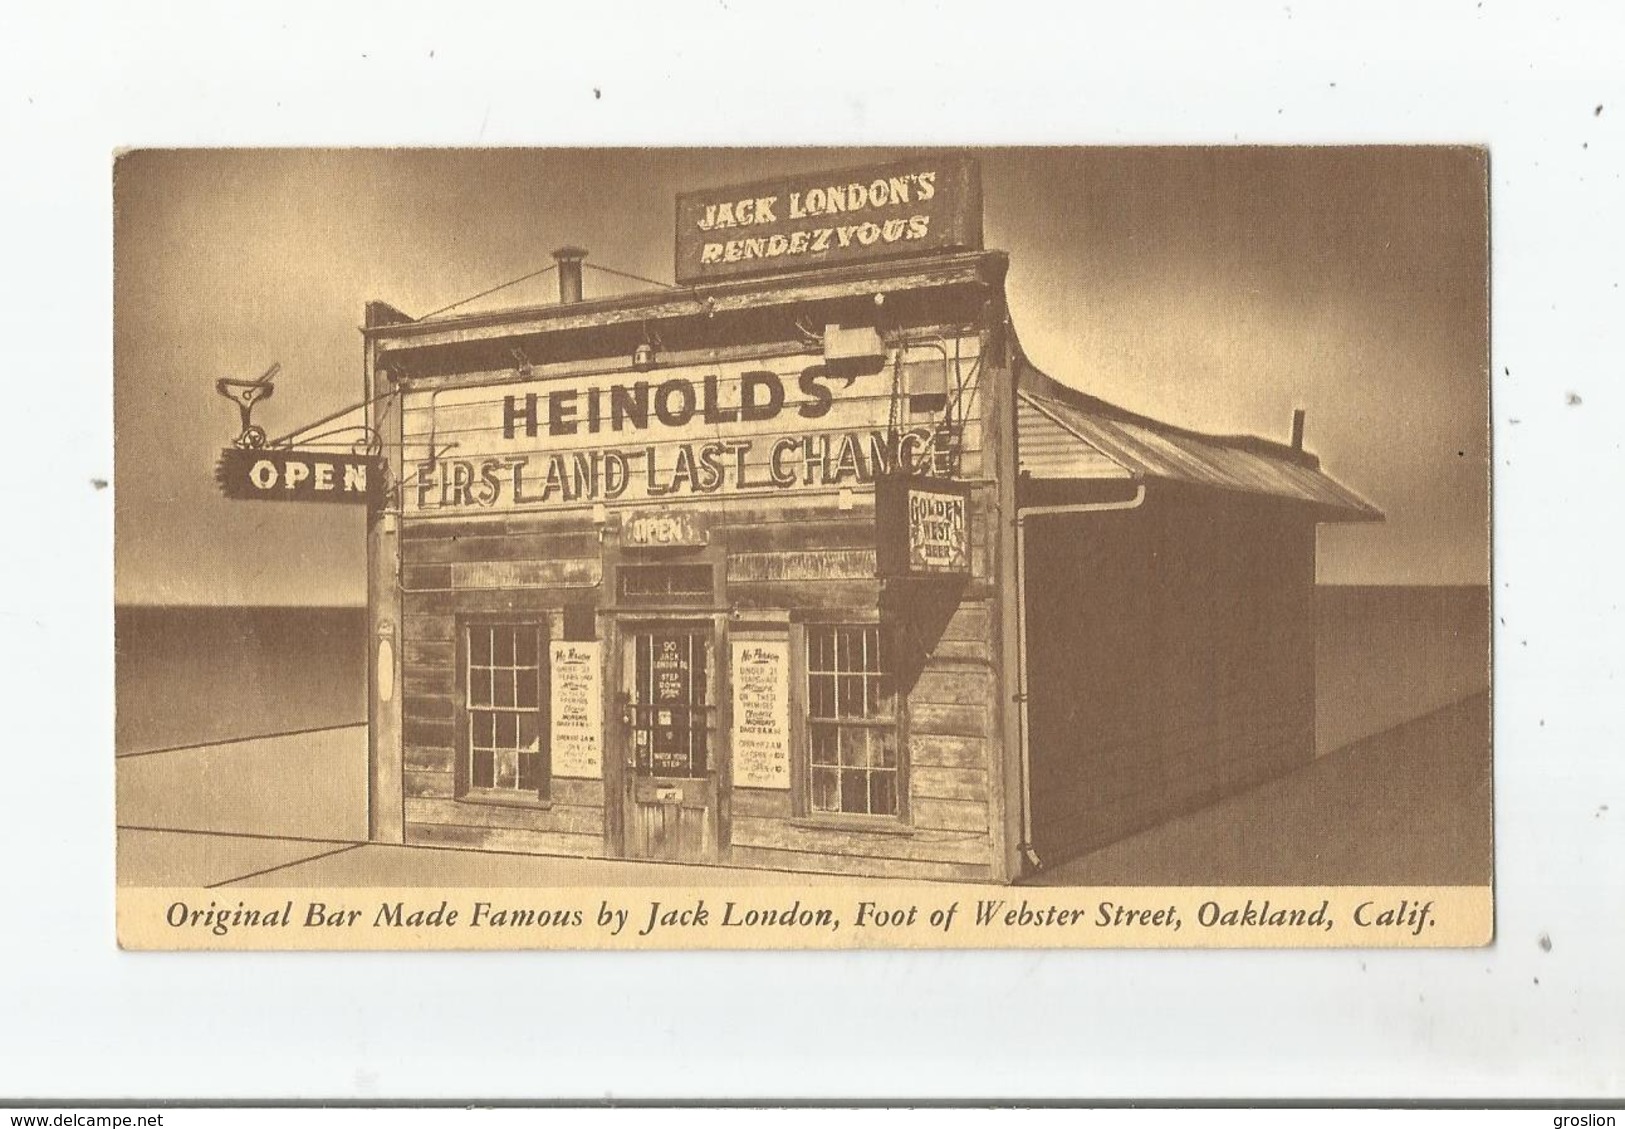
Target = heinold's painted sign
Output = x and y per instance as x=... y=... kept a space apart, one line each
x=923 y=204
x=290 y=475
x=773 y=426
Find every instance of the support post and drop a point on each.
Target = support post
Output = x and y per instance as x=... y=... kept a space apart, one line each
x=386 y=815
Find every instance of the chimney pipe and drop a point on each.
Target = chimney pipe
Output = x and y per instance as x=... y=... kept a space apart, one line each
x=569 y=261
x=1297 y=429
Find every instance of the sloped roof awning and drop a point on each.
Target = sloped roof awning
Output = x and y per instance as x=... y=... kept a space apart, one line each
x=1063 y=434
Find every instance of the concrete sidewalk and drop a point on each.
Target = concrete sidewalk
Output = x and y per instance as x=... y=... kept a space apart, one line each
x=1410 y=805
x=290 y=810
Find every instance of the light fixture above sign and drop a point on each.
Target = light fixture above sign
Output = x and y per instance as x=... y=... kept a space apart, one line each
x=852 y=343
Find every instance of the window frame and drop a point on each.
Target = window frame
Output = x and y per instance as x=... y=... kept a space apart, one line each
x=645 y=565
x=466 y=790
x=896 y=725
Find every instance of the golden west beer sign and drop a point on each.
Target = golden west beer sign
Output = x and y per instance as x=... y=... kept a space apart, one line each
x=922 y=527
x=291 y=475
x=925 y=204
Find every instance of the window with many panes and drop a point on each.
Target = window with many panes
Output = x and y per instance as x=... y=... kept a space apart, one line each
x=851 y=721
x=505 y=701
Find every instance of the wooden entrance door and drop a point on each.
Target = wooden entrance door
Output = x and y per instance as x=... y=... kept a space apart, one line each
x=669 y=684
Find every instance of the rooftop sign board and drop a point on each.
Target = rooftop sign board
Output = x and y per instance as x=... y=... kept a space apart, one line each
x=917 y=206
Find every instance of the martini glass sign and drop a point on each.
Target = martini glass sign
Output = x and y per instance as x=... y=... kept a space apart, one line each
x=245 y=394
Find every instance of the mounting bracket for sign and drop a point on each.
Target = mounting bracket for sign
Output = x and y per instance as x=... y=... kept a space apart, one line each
x=257 y=468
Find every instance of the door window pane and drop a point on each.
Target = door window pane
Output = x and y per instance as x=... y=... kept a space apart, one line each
x=671 y=706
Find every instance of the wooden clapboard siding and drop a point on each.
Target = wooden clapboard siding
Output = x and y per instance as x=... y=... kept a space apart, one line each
x=428 y=679
x=493 y=601
x=415 y=529
x=426 y=758
x=507 y=575
x=928 y=719
x=420 y=576
x=801 y=536
x=425 y=706
x=419 y=782
x=801 y=566
x=952 y=686
x=417 y=731
x=467 y=566
x=500 y=547
x=513 y=840
x=930 y=782
x=969 y=622
x=534 y=562
x=950 y=815
x=427 y=627
x=963 y=650
x=866 y=867
x=763 y=802
x=573 y=819
x=426 y=652
x=774 y=834
x=820 y=595
x=752 y=512
x=565 y=790
x=934 y=751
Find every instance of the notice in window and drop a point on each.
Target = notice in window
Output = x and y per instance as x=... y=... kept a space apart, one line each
x=577 y=711
x=761 y=713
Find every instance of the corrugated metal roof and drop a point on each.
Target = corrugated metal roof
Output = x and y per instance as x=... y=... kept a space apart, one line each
x=1048 y=450
x=1112 y=442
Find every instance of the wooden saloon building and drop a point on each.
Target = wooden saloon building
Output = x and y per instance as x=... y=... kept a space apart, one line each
x=802 y=564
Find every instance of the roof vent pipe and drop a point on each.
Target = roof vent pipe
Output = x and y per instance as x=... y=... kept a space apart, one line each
x=569 y=261
x=1297 y=426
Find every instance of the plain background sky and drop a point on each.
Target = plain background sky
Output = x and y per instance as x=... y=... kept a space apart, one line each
x=1520 y=1019
x=1215 y=288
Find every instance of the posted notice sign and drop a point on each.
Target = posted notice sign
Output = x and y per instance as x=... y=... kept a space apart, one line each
x=761 y=713
x=921 y=205
x=576 y=728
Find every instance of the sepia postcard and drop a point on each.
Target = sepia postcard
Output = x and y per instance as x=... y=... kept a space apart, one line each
x=799 y=548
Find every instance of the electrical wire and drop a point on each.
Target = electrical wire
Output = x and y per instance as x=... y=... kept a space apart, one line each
x=493 y=290
x=633 y=277
x=284 y=440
